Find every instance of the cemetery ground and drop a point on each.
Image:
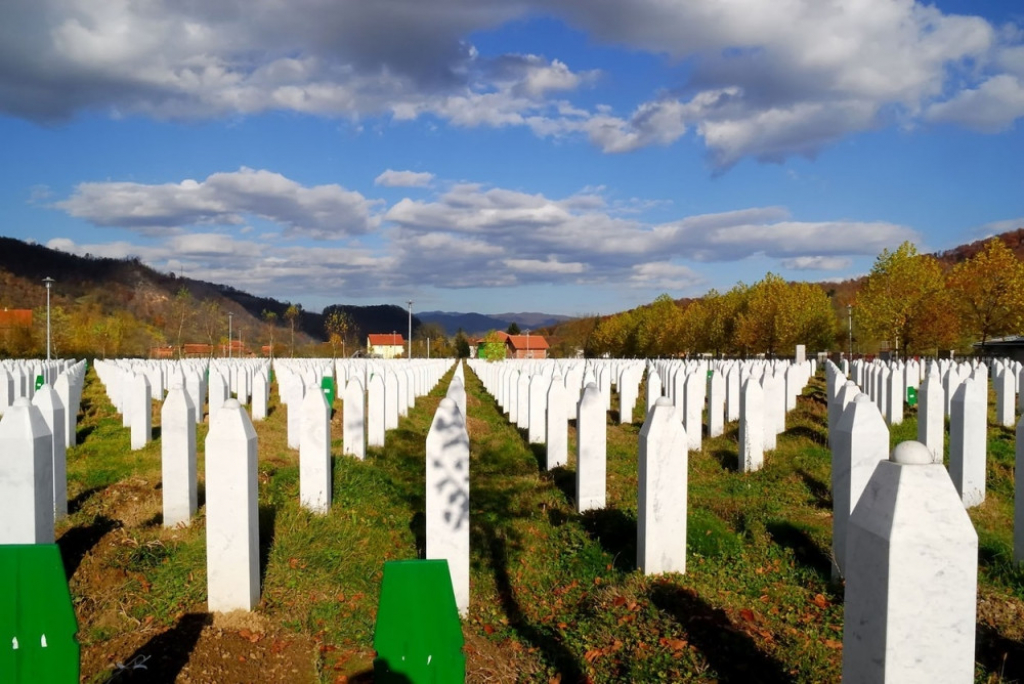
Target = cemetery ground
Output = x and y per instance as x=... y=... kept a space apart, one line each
x=555 y=596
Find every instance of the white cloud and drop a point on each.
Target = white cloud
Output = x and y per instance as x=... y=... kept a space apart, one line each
x=817 y=263
x=404 y=179
x=767 y=80
x=991 y=107
x=322 y=211
x=470 y=235
x=663 y=275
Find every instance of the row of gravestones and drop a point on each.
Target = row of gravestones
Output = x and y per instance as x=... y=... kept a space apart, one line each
x=232 y=447
x=541 y=396
x=901 y=536
x=34 y=437
x=907 y=541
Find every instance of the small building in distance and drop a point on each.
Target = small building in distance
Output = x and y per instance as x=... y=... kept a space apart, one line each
x=1011 y=347
x=385 y=346
x=526 y=347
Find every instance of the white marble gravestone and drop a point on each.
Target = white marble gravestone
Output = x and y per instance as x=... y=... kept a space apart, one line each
x=354 y=417
x=556 y=438
x=52 y=410
x=861 y=442
x=260 y=395
x=232 y=516
x=315 y=452
x=375 y=410
x=931 y=421
x=716 y=403
x=967 y=441
x=536 y=432
x=140 y=407
x=661 y=506
x=178 y=457
x=911 y=577
x=447 y=497
x=26 y=476
x=751 y=437
x=591 y=450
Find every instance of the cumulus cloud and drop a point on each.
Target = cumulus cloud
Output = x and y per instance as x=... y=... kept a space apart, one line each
x=288 y=271
x=766 y=80
x=991 y=107
x=322 y=211
x=817 y=263
x=404 y=179
x=468 y=236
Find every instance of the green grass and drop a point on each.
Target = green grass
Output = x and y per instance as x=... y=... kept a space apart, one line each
x=554 y=594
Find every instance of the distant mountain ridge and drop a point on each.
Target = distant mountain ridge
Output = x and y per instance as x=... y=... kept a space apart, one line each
x=479 y=324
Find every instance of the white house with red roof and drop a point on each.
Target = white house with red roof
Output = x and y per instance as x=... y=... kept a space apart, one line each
x=385 y=346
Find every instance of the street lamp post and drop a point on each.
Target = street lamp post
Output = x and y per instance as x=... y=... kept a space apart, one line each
x=229 y=334
x=849 y=313
x=49 y=282
x=410 y=329
x=529 y=352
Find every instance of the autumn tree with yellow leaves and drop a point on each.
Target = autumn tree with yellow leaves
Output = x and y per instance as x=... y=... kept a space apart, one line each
x=988 y=290
x=905 y=302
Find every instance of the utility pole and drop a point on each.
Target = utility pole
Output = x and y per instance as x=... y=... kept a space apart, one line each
x=229 y=334
x=849 y=323
x=410 y=329
x=49 y=282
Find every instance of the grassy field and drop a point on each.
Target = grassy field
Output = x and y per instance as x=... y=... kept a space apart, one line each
x=555 y=595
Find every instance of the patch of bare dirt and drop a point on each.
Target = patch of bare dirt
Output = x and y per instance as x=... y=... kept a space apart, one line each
x=200 y=650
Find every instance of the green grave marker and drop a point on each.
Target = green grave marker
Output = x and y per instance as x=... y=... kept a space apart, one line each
x=39 y=381
x=329 y=388
x=37 y=619
x=418 y=637
x=912 y=396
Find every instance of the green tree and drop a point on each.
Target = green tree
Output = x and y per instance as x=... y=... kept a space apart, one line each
x=493 y=347
x=270 y=318
x=988 y=289
x=337 y=325
x=461 y=345
x=291 y=314
x=513 y=328
x=780 y=315
x=183 y=307
x=905 y=303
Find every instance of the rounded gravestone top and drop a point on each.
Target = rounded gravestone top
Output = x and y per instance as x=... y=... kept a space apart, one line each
x=663 y=401
x=862 y=399
x=231 y=404
x=911 y=453
x=21 y=401
x=851 y=383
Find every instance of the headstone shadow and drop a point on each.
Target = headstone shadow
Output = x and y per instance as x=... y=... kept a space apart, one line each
x=727 y=458
x=565 y=480
x=806 y=550
x=821 y=492
x=161 y=659
x=616 y=532
x=998 y=653
x=267 y=520
x=818 y=436
x=731 y=652
x=78 y=541
x=75 y=504
x=546 y=641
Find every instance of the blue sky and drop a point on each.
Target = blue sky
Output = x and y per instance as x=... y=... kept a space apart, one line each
x=570 y=156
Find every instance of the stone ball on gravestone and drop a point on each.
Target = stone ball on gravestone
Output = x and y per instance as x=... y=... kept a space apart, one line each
x=911 y=453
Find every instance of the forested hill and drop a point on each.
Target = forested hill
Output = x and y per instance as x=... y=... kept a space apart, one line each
x=140 y=307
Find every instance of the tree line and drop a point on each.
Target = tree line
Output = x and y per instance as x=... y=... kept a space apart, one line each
x=911 y=303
